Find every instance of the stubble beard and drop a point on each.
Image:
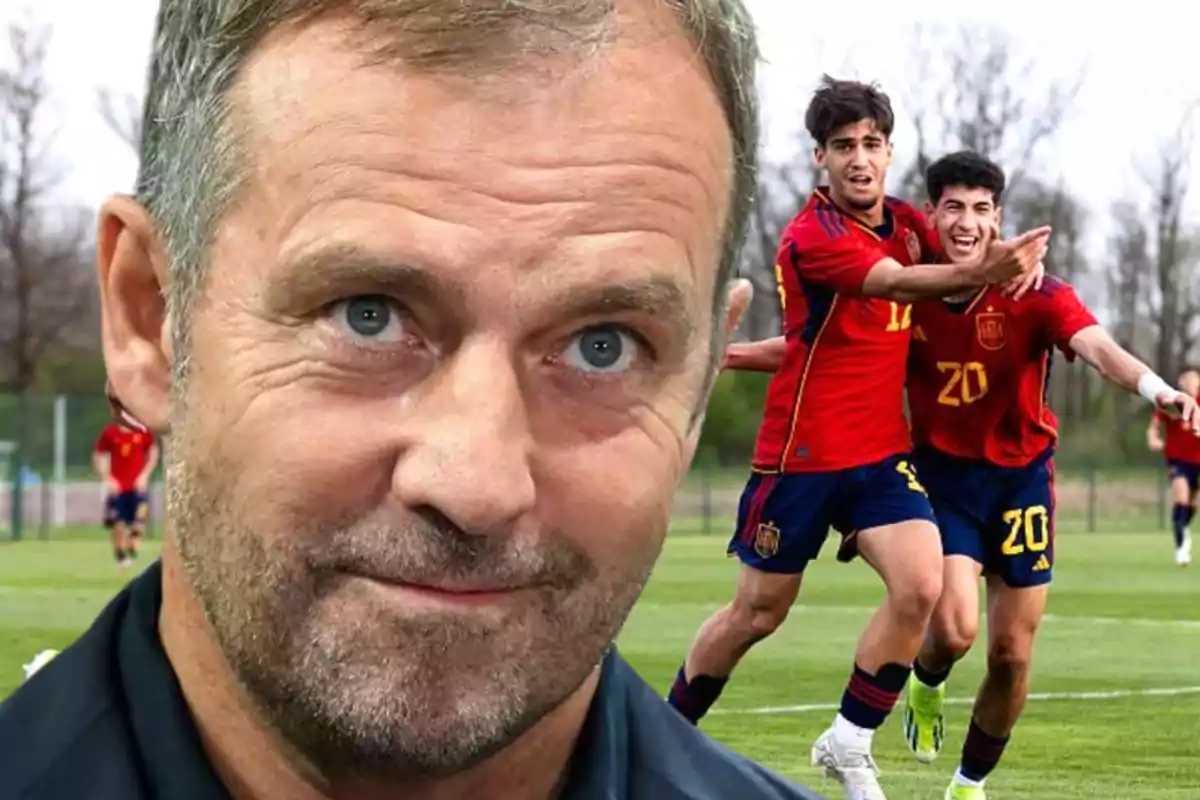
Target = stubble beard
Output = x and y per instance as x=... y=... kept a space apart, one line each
x=378 y=693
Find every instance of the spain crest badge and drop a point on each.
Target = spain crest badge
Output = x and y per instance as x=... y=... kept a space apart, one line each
x=989 y=330
x=766 y=540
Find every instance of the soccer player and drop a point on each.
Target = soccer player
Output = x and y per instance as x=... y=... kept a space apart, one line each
x=124 y=457
x=832 y=447
x=985 y=438
x=1182 y=451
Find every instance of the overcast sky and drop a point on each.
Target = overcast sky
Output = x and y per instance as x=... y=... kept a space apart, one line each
x=1141 y=71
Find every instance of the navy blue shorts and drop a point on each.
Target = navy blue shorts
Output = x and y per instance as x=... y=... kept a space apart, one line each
x=783 y=519
x=128 y=508
x=1187 y=470
x=1000 y=517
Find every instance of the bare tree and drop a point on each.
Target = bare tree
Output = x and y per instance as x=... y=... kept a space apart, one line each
x=1128 y=276
x=122 y=113
x=1173 y=300
x=47 y=292
x=969 y=90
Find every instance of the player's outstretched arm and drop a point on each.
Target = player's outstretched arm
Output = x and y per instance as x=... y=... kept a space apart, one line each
x=1001 y=262
x=100 y=462
x=1121 y=368
x=765 y=355
x=1154 y=435
x=143 y=481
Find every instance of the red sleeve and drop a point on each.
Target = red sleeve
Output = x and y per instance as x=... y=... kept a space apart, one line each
x=1161 y=416
x=915 y=220
x=1066 y=315
x=104 y=442
x=930 y=244
x=824 y=251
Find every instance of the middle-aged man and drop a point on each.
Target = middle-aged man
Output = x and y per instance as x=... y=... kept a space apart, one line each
x=427 y=298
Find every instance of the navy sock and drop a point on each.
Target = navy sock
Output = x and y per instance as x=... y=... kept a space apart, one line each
x=929 y=678
x=869 y=699
x=1190 y=514
x=1179 y=517
x=981 y=753
x=694 y=698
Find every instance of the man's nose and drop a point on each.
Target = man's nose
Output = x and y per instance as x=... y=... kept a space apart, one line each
x=469 y=443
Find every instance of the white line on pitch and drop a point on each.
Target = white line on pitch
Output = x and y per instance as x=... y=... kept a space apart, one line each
x=1175 y=691
x=1056 y=618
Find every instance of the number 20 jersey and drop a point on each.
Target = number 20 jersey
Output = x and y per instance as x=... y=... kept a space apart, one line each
x=979 y=371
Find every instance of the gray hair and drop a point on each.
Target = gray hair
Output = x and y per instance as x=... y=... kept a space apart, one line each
x=191 y=165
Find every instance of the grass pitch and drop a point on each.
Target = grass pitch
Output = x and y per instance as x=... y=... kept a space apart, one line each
x=1116 y=711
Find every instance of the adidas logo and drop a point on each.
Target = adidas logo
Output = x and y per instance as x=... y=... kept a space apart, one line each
x=1042 y=564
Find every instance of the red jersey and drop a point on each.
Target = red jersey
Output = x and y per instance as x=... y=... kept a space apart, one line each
x=128 y=451
x=979 y=371
x=1181 y=443
x=836 y=401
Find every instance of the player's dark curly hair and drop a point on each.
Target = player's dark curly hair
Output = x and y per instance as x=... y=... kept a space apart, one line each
x=839 y=103
x=964 y=168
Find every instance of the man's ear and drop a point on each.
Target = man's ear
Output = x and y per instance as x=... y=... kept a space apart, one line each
x=819 y=157
x=929 y=209
x=132 y=274
x=741 y=292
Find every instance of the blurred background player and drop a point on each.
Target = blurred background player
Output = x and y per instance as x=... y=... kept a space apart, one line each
x=985 y=436
x=832 y=449
x=1172 y=437
x=124 y=457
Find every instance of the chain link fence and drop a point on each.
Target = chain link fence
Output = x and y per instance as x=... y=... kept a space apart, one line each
x=50 y=441
x=60 y=492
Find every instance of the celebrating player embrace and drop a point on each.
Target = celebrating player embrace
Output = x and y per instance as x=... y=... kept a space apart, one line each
x=985 y=438
x=124 y=457
x=833 y=447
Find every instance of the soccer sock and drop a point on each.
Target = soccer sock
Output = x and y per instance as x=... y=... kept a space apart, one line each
x=1179 y=516
x=1191 y=512
x=694 y=698
x=868 y=699
x=928 y=678
x=118 y=554
x=980 y=754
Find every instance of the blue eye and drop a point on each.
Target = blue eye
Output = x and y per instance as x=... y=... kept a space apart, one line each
x=370 y=317
x=603 y=349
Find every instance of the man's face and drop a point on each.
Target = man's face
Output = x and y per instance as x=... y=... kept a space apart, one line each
x=440 y=388
x=857 y=158
x=963 y=218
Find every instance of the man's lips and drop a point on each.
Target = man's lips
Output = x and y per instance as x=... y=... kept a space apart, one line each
x=452 y=592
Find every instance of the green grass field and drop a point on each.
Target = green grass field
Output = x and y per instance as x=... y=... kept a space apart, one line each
x=1118 y=707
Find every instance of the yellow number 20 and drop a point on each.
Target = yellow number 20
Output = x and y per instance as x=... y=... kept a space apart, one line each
x=901 y=319
x=1028 y=529
x=779 y=286
x=966 y=384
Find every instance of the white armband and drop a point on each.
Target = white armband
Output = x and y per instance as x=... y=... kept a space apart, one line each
x=1150 y=386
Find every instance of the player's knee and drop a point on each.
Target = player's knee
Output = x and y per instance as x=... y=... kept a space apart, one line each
x=758 y=617
x=955 y=633
x=917 y=596
x=1009 y=657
